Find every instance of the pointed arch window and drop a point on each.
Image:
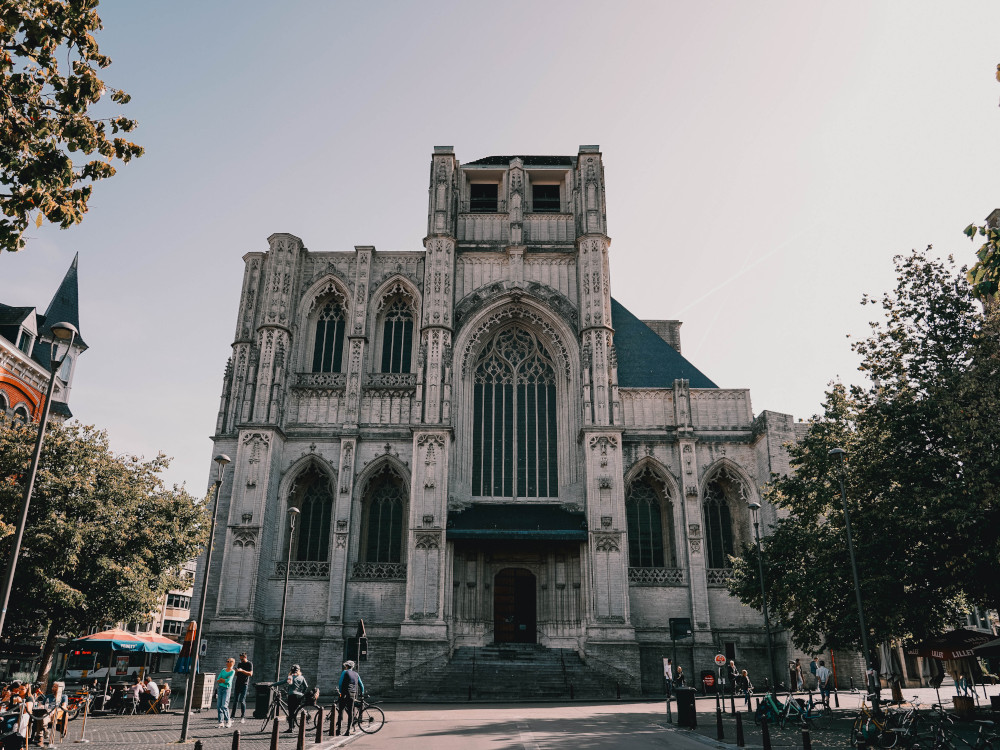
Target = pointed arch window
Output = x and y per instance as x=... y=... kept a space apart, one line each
x=313 y=497
x=514 y=418
x=328 y=350
x=725 y=498
x=650 y=521
x=397 y=337
x=384 y=514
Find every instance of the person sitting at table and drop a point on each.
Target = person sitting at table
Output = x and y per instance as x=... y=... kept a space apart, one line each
x=150 y=693
x=132 y=695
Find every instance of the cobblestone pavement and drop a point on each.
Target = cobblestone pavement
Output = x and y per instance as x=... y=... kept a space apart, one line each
x=164 y=730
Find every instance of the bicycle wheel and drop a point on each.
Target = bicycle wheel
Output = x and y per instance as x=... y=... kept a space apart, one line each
x=857 y=731
x=370 y=719
x=269 y=719
x=307 y=715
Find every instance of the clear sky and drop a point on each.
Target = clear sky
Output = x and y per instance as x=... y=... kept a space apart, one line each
x=764 y=162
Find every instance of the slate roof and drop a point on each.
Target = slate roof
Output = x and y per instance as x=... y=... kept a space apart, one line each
x=647 y=361
x=529 y=161
x=65 y=305
x=11 y=319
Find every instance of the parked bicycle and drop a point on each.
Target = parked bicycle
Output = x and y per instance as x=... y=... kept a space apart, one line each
x=307 y=713
x=806 y=715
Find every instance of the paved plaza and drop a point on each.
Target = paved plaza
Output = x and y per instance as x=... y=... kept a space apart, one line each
x=513 y=726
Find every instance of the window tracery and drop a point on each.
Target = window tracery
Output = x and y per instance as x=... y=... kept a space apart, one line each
x=725 y=497
x=312 y=495
x=514 y=418
x=328 y=350
x=650 y=522
x=397 y=337
x=384 y=515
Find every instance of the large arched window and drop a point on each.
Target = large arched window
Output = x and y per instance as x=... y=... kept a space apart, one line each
x=384 y=515
x=514 y=418
x=21 y=412
x=3 y=405
x=397 y=337
x=313 y=497
x=650 y=519
x=328 y=351
x=725 y=498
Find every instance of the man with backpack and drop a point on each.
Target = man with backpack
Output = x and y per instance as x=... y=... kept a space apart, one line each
x=350 y=687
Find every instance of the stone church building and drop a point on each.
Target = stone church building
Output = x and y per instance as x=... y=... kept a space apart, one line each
x=484 y=447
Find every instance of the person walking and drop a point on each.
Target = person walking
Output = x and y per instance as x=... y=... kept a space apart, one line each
x=744 y=685
x=800 y=682
x=224 y=683
x=244 y=671
x=734 y=675
x=349 y=688
x=813 y=666
x=679 y=677
x=668 y=677
x=792 y=681
x=823 y=676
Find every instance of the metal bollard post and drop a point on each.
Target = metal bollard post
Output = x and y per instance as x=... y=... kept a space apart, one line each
x=806 y=741
x=765 y=733
x=740 y=740
x=300 y=742
x=319 y=726
x=852 y=683
x=718 y=724
x=274 y=736
x=618 y=690
x=83 y=729
x=198 y=745
x=732 y=702
x=470 y=693
x=236 y=739
x=836 y=697
x=571 y=691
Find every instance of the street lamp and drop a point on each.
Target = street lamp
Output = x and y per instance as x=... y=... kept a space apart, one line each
x=754 y=511
x=293 y=513
x=62 y=333
x=840 y=453
x=221 y=460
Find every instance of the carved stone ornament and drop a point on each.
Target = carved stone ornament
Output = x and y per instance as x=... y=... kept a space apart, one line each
x=691 y=490
x=694 y=529
x=606 y=543
x=430 y=438
x=245 y=536
x=606 y=522
x=695 y=546
x=428 y=519
x=341 y=541
x=341 y=524
x=604 y=482
x=248 y=518
x=428 y=540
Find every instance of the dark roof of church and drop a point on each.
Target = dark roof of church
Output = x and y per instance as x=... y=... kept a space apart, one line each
x=647 y=361
x=529 y=161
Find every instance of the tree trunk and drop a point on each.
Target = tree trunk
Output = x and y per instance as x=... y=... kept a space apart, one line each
x=45 y=665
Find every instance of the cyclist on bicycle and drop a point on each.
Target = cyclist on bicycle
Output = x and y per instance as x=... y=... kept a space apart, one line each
x=295 y=686
x=350 y=687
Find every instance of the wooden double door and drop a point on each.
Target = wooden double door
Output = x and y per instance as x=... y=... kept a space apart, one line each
x=515 y=606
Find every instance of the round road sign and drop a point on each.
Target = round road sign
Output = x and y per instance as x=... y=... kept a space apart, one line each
x=720 y=660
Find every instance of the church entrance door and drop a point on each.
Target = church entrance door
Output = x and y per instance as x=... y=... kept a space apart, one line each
x=514 y=606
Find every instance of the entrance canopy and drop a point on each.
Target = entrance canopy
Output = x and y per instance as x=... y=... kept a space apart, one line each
x=517 y=521
x=120 y=640
x=956 y=644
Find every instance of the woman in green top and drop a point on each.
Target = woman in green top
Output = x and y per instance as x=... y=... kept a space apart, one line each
x=224 y=684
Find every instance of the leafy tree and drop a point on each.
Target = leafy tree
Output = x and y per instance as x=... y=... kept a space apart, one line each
x=985 y=272
x=45 y=115
x=104 y=540
x=921 y=477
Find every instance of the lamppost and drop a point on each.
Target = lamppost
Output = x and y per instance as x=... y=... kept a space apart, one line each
x=840 y=453
x=293 y=512
x=221 y=460
x=754 y=511
x=61 y=333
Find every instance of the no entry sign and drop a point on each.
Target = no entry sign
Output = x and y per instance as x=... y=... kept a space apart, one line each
x=720 y=660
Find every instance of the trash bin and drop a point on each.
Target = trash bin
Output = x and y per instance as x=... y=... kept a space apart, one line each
x=686 y=716
x=262 y=699
x=709 y=680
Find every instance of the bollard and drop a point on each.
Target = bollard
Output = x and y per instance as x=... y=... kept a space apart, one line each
x=333 y=720
x=83 y=729
x=571 y=691
x=852 y=683
x=765 y=733
x=718 y=725
x=470 y=692
x=836 y=697
x=300 y=742
x=65 y=725
x=806 y=741
x=758 y=703
x=236 y=739
x=198 y=745
x=740 y=740
x=732 y=702
x=274 y=736
x=319 y=726
x=618 y=690
x=767 y=686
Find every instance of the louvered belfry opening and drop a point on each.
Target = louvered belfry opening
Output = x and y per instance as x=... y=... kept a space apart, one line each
x=514 y=418
x=328 y=351
x=397 y=337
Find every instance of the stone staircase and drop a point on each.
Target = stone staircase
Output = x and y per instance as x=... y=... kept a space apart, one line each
x=511 y=672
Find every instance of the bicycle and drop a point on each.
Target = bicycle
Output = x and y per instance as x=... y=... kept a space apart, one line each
x=886 y=729
x=770 y=708
x=307 y=713
x=807 y=715
x=369 y=718
x=943 y=737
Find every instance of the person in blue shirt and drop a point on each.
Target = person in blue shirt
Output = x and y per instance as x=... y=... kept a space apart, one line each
x=350 y=687
x=295 y=686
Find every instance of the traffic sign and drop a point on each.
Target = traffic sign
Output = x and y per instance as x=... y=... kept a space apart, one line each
x=720 y=660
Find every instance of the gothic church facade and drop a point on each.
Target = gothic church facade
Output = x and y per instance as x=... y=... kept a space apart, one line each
x=482 y=446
